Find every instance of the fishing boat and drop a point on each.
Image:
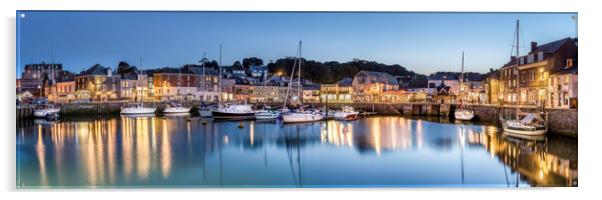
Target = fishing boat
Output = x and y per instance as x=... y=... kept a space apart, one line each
x=300 y=115
x=137 y=109
x=346 y=113
x=234 y=111
x=174 y=108
x=46 y=110
x=463 y=113
x=524 y=123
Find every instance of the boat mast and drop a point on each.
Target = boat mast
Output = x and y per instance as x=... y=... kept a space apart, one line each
x=300 y=87
x=290 y=82
x=462 y=82
x=147 y=83
x=203 y=79
x=517 y=66
x=219 y=78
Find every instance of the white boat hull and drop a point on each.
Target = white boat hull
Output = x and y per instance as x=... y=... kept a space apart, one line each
x=45 y=112
x=517 y=128
x=463 y=114
x=266 y=116
x=301 y=117
x=137 y=111
x=524 y=132
x=175 y=110
x=346 y=115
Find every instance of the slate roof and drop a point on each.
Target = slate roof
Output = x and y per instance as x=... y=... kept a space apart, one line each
x=96 y=69
x=552 y=47
x=548 y=48
x=345 y=82
x=312 y=87
x=570 y=70
x=171 y=70
x=380 y=77
x=198 y=69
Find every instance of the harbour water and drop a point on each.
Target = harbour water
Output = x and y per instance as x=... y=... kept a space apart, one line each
x=380 y=151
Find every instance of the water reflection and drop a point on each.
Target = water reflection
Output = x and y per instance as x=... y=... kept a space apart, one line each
x=178 y=151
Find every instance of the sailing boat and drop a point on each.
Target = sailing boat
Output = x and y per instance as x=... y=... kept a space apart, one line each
x=525 y=123
x=176 y=108
x=301 y=114
x=233 y=111
x=266 y=112
x=462 y=113
x=138 y=107
x=205 y=110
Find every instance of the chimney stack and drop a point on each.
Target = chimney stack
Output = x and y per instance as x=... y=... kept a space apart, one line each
x=533 y=46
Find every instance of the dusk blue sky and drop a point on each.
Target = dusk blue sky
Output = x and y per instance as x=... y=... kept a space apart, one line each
x=421 y=42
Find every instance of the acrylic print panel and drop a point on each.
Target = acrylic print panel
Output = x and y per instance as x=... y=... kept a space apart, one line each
x=295 y=99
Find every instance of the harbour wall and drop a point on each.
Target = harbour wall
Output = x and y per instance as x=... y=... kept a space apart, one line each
x=561 y=121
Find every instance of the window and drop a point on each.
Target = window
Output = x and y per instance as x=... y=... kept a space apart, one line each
x=530 y=58
x=540 y=56
x=532 y=76
x=569 y=62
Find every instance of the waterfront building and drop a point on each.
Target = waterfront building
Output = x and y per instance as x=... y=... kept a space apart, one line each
x=563 y=87
x=133 y=87
x=238 y=70
x=227 y=89
x=437 y=81
x=492 y=88
x=267 y=93
x=535 y=69
x=258 y=71
x=62 y=92
x=34 y=76
x=208 y=90
x=369 y=86
x=443 y=94
x=175 y=84
x=340 y=92
x=97 y=83
x=243 y=93
x=311 y=93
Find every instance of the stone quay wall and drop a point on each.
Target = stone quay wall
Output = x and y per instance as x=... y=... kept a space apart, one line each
x=561 y=121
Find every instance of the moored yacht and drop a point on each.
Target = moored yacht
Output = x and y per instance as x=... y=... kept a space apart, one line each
x=267 y=114
x=46 y=110
x=346 y=113
x=524 y=123
x=302 y=116
x=464 y=114
x=527 y=124
x=234 y=111
x=137 y=109
x=174 y=108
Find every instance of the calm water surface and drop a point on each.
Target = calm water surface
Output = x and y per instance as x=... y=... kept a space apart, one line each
x=371 y=152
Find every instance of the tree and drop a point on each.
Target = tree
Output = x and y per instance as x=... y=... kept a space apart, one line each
x=123 y=67
x=253 y=61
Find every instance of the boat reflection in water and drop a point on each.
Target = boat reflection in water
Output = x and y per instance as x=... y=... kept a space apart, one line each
x=149 y=151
